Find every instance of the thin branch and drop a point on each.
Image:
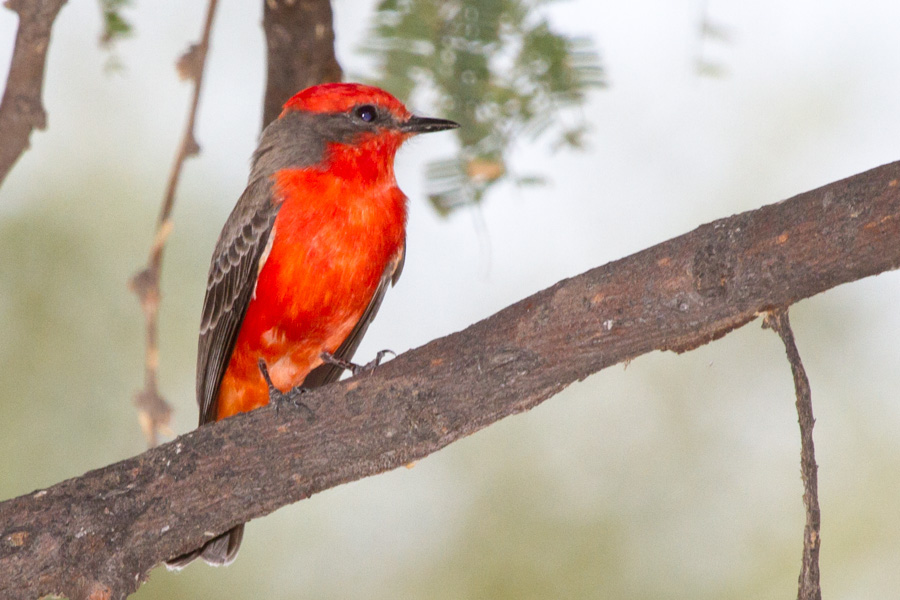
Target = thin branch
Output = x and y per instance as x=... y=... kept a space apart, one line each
x=809 y=571
x=21 y=109
x=153 y=411
x=299 y=50
x=102 y=532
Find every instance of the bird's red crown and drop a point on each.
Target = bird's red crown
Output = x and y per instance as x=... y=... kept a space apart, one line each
x=341 y=97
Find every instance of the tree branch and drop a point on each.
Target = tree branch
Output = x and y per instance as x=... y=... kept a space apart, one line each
x=102 y=532
x=808 y=586
x=21 y=109
x=300 y=50
x=154 y=412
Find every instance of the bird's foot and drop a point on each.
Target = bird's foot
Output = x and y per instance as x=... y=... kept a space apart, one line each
x=292 y=396
x=355 y=369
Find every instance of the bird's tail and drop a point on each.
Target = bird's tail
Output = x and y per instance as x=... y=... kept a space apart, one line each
x=219 y=551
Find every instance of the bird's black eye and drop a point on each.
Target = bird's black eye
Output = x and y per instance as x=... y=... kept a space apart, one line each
x=366 y=113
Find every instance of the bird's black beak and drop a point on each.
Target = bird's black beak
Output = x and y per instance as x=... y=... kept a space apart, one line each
x=416 y=124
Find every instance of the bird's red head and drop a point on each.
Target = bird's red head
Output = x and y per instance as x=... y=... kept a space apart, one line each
x=352 y=129
x=372 y=109
x=342 y=97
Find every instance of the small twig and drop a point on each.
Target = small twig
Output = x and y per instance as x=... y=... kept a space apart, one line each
x=809 y=572
x=154 y=412
x=22 y=110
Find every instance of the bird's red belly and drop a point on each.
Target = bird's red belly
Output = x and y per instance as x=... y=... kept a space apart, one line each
x=289 y=332
x=311 y=291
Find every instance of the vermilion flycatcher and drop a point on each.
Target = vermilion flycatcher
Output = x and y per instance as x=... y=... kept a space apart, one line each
x=305 y=257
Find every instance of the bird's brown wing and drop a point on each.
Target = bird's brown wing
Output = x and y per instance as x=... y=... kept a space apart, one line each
x=235 y=265
x=327 y=373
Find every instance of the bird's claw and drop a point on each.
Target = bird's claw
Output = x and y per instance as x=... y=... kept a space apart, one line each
x=355 y=369
x=292 y=397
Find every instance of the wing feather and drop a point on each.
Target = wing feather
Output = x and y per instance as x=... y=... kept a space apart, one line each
x=230 y=286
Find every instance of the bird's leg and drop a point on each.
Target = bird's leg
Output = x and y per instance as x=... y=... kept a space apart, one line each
x=355 y=369
x=277 y=397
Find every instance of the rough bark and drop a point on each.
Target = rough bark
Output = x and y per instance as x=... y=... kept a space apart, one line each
x=299 y=50
x=98 y=535
x=21 y=109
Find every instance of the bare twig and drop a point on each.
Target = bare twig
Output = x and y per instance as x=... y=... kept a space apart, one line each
x=107 y=529
x=154 y=412
x=22 y=109
x=809 y=571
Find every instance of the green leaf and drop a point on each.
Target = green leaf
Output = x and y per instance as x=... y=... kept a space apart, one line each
x=495 y=66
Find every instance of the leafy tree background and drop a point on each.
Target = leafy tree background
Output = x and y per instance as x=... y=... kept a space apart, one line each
x=676 y=477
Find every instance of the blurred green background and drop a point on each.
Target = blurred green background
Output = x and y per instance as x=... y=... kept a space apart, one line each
x=677 y=477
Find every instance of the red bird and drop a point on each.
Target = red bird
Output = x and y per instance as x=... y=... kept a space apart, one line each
x=305 y=257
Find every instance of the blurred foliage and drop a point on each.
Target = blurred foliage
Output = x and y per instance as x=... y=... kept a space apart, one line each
x=713 y=33
x=499 y=69
x=115 y=26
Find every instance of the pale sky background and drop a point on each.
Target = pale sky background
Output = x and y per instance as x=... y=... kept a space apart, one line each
x=677 y=477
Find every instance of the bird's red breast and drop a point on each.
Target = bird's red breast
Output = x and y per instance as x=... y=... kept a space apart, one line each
x=336 y=232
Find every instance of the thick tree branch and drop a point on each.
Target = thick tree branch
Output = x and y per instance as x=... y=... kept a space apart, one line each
x=101 y=533
x=22 y=109
x=300 y=50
